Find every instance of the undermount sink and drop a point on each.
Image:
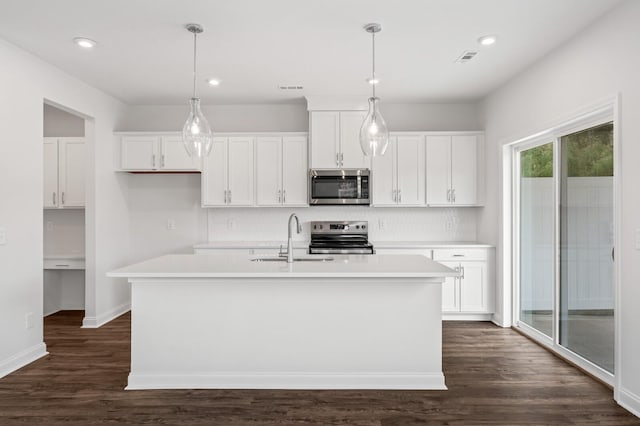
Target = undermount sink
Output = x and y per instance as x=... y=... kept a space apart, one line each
x=295 y=259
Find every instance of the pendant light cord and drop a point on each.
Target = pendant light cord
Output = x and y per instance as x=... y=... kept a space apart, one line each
x=373 y=80
x=195 y=40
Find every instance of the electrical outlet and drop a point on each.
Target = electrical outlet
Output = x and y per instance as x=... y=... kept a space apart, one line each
x=231 y=224
x=381 y=224
x=3 y=236
x=28 y=320
x=448 y=226
x=171 y=224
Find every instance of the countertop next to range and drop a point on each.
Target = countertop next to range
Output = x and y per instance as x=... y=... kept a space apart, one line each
x=301 y=244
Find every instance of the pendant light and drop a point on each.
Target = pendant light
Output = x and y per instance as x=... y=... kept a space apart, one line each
x=374 y=135
x=196 y=133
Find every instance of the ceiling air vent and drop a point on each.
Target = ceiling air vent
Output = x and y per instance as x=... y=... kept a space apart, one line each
x=466 y=57
x=290 y=87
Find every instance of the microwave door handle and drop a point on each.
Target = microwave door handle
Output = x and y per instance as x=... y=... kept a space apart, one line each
x=359 y=187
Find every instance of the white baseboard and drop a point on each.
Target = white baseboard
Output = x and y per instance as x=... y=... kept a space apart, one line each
x=466 y=317
x=629 y=401
x=22 y=358
x=100 y=320
x=433 y=381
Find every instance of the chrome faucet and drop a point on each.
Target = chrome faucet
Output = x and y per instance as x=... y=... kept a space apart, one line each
x=289 y=239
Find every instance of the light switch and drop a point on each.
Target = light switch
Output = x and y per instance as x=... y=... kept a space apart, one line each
x=3 y=236
x=171 y=224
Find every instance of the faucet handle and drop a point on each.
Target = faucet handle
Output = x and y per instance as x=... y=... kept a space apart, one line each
x=282 y=253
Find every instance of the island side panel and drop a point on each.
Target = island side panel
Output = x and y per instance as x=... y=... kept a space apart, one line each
x=311 y=333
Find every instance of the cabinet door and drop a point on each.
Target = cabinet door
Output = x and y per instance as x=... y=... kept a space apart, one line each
x=294 y=171
x=269 y=171
x=214 y=175
x=352 y=156
x=464 y=169
x=438 y=170
x=474 y=288
x=139 y=153
x=71 y=172
x=451 y=290
x=174 y=156
x=384 y=175
x=324 y=129
x=50 y=187
x=240 y=171
x=411 y=173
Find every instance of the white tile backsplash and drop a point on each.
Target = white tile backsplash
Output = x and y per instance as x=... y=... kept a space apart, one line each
x=385 y=224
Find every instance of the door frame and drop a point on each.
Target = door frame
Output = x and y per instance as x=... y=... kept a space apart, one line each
x=593 y=115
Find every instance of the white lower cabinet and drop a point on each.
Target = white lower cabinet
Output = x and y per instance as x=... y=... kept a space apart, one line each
x=469 y=296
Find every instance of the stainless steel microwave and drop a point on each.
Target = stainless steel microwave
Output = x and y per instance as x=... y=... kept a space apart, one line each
x=339 y=186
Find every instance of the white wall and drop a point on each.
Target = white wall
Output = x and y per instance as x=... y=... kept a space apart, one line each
x=25 y=83
x=59 y=123
x=385 y=224
x=598 y=63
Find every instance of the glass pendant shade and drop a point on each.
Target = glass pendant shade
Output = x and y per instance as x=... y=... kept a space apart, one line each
x=196 y=133
x=374 y=134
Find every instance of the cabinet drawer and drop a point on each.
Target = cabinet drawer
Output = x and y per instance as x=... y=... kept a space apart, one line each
x=423 y=252
x=460 y=254
x=63 y=264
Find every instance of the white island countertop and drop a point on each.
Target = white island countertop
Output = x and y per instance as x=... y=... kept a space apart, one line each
x=241 y=266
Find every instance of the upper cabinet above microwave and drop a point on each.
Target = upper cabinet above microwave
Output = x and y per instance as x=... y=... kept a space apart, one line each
x=334 y=139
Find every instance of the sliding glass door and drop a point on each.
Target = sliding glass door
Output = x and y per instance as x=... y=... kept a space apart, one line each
x=586 y=244
x=564 y=242
x=536 y=237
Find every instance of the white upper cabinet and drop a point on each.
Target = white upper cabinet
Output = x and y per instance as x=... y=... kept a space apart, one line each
x=452 y=170
x=399 y=175
x=155 y=153
x=64 y=172
x=281 y=171
x=335 y=140
x=227 y=178
x=294 y=171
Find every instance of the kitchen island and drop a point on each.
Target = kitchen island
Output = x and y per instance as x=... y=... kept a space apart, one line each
x=229 y=321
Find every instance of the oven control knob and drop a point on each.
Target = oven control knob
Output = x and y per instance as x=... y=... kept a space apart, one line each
x=315 y=226
x=357 y=226
x=364 y=226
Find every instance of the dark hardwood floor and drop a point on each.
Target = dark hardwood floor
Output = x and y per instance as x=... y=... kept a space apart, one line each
x=495 y=377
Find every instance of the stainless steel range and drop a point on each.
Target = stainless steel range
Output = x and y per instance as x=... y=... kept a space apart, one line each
x=340 y=238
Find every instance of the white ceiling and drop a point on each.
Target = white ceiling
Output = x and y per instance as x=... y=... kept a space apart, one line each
x=144 y=54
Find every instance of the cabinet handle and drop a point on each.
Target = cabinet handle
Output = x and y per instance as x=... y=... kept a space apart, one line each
x=284 y=196
x=153 y=161
x=53 y=199
x=448 y=195
x=394 y=195
x=453 y=195
x=280 y=196
x=400 y=195
x=462 y=270
x=225 y=196
x=162 y=161
x=341 y=159
x=62 y=197
x=229 y=196
x=337 y=159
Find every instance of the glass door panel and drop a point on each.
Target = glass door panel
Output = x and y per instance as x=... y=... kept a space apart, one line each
x=586 y=244
x=536 y=237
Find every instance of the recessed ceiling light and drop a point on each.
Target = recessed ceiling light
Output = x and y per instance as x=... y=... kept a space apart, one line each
x=487 y=40
x=373 y=81
x=86 y=43
x=213 y=82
